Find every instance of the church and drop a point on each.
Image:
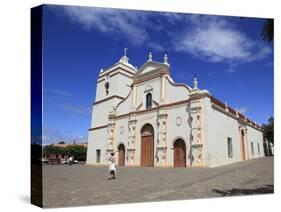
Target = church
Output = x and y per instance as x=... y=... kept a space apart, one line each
x=149 y=120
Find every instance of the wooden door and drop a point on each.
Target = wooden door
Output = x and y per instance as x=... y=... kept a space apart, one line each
x=179 y=154
x=121 y=155
x=147 y=156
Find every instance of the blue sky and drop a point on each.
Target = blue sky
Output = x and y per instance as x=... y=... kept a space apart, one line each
x=227 y=54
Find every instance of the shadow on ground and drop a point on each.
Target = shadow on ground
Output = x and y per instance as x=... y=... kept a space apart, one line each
x=268 y=189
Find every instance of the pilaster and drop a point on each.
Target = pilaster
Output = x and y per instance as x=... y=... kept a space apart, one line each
x=161 y=147
x=110 y=134
x=131 y=150
x=195 y=135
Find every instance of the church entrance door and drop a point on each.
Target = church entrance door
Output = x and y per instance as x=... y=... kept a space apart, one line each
x=179 y=153
x=121 y=155
x=147 y=146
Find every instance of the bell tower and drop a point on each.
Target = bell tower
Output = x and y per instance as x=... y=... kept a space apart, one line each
x=113 y=85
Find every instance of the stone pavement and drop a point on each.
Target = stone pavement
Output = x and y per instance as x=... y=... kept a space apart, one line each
x=88 y=185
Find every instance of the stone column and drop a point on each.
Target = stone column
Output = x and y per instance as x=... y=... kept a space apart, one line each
x=161 y=147
x=163 y=90
x=131 y=142
x=110 y=133
x=110 y=139
x=194 y=121
x=134 y=98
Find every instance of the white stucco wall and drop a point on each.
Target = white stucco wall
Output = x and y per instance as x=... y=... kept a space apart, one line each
x=96 y=140
x=121 y=137
x=141 y=92
x=220 y=126
x=101 y=110
x=256 y=137
x=175 y=131
x=176 y=92
x=119 y=84
x=125 y=106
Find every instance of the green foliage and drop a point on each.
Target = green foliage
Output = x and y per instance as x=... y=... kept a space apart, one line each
x=269 y=130
x=79 y=152
x=51 y=149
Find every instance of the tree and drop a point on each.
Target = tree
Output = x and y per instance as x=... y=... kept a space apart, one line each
x=51 y=149
x=269 y=130
x=268 y=30
x=78 y=151
x=61 y=142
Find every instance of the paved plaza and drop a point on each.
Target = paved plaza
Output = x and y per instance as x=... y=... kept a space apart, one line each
x=88 y=185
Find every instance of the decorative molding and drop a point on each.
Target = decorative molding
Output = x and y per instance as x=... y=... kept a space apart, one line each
x=108 y=71
x=150 y=75
x=97 y=128
x=124 y=99
x=148 y=88
x=155 y=102
x=121 y=130
x=138 y=107
x=178 y=84
x=131 y=141
x=116 y=73
x=110 y=97
x=234 y=113
x=178 y=121
x=161 y=147
x=164 y=106
x=195 y=134
x=110 y=137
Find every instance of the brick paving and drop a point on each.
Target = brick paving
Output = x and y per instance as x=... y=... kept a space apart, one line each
x=88 y=185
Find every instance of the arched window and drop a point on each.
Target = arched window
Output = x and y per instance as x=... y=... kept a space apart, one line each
x=148 y=101
x=106 y=85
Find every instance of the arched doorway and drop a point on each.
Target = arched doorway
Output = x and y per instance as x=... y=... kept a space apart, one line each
x=243 y=155
x=121 y=155
x=179 y=153
x=147 y=146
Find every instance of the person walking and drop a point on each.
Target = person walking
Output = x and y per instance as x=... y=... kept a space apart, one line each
x=70 y=161
x=112 y=167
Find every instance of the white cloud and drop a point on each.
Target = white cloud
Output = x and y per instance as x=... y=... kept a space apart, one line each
x=57 y=93
x=231 y=70
x=53 y=136
x=211 y=38
x=129 y=24
x=77 y=109
x=218 y=41
x=155 y=46
x=242 y=110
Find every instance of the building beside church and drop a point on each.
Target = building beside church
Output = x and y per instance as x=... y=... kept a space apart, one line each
x=149 y=120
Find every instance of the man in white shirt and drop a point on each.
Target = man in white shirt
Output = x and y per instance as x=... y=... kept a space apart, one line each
x=112 y=166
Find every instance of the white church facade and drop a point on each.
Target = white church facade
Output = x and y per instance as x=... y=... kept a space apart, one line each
x=149 y=120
